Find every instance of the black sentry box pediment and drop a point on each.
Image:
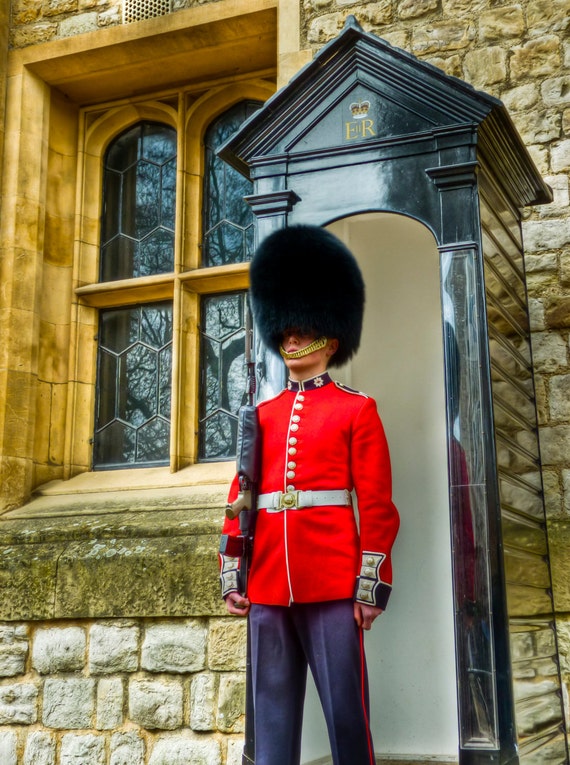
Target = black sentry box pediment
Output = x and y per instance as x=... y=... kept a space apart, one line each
x=360 y=95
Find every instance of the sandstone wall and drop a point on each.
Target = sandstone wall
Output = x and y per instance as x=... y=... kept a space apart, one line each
x=34 y=21
x=4 y=27
x=123 y=692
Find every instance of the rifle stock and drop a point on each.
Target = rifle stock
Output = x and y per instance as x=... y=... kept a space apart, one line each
x=245 y=506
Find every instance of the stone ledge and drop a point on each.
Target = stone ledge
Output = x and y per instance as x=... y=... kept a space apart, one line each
x=129 y=563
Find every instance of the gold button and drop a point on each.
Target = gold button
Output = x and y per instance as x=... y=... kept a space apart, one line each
x=294 y=427
x=295 y=418
x=291 y=464
x=293 y=440
x=370 y=561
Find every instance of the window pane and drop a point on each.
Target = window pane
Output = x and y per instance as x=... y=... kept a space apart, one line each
x=139 y=200
x=132 y=423
x=224 y=373
x=228 y=220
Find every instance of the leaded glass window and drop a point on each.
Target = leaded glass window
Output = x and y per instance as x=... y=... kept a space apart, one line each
x=134 y=366
x=139 y=202
x=228 y=220
x=224 y=373
x=132 y=425
x=135 y=339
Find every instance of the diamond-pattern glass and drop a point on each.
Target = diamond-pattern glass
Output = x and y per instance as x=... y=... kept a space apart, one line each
x=228 y=220
x=134 y=380
x=139 y=201
x=224 y=372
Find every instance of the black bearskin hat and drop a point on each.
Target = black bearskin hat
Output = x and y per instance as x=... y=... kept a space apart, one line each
x=306 y=278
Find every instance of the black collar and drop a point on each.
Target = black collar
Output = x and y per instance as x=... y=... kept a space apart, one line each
x=313 y=383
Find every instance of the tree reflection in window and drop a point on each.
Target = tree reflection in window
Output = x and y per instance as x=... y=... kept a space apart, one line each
x=228 y=238
x=227 y=219
x=134 y=382
x=223 y=383
x=139 y=202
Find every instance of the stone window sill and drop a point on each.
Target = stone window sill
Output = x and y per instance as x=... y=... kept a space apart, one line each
x=130 y=543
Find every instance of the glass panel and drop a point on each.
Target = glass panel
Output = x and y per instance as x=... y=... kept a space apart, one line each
x=478 y=705
x=132 y=425
x=228 y=220
x=461 y=336
x=224 y=374
x=139 y=201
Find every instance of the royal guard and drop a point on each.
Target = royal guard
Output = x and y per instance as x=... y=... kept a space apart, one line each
x=318 y=578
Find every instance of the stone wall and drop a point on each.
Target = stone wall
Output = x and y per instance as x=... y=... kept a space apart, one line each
x=35 y=22
x=123 y=692
x=4 y=27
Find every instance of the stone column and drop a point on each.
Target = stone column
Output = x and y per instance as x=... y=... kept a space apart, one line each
x=21 y=255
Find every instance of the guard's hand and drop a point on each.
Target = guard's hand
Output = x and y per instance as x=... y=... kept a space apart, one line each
x=365 y=615
x=237 y=604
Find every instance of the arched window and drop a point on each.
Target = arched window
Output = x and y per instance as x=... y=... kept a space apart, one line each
x=228 y=238
x=139 y=284
x=134 y=369
x=139 y=203
x=228 y=220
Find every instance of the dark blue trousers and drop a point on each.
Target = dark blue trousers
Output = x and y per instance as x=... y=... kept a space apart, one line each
x=284 y=642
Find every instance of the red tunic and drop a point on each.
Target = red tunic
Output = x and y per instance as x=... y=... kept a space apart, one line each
x=321 y=436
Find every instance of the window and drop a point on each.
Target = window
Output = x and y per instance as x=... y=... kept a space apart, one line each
x=134 y=373
x=132 y=422
x=228 y=238
x=139 y=203
x=223 y=373
x=228 y=221
x=170 y=373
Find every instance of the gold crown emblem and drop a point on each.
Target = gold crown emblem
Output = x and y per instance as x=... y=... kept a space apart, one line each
x=359 y=109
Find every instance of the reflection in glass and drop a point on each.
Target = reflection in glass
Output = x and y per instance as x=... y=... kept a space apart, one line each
x=472 y=578
x=224 y=373
x=134 y=372
x=139 y=198
x=536 y=681
x=228 y=220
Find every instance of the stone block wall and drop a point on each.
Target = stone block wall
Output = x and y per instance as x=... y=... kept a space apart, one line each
x=37 y=22
x=122 y=692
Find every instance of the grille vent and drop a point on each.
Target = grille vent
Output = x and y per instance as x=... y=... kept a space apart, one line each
x=138 y=10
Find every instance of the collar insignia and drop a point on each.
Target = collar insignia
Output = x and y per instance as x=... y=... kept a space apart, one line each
x=313 y=383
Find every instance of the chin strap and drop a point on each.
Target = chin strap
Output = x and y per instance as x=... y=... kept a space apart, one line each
x=316 y=345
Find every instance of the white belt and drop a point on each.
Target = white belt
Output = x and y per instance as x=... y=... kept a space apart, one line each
x=277 y=501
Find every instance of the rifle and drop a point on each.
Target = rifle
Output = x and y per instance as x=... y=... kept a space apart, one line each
x=248 y=461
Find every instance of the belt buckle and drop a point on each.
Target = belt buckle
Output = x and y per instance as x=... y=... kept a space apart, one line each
x=289 y=500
